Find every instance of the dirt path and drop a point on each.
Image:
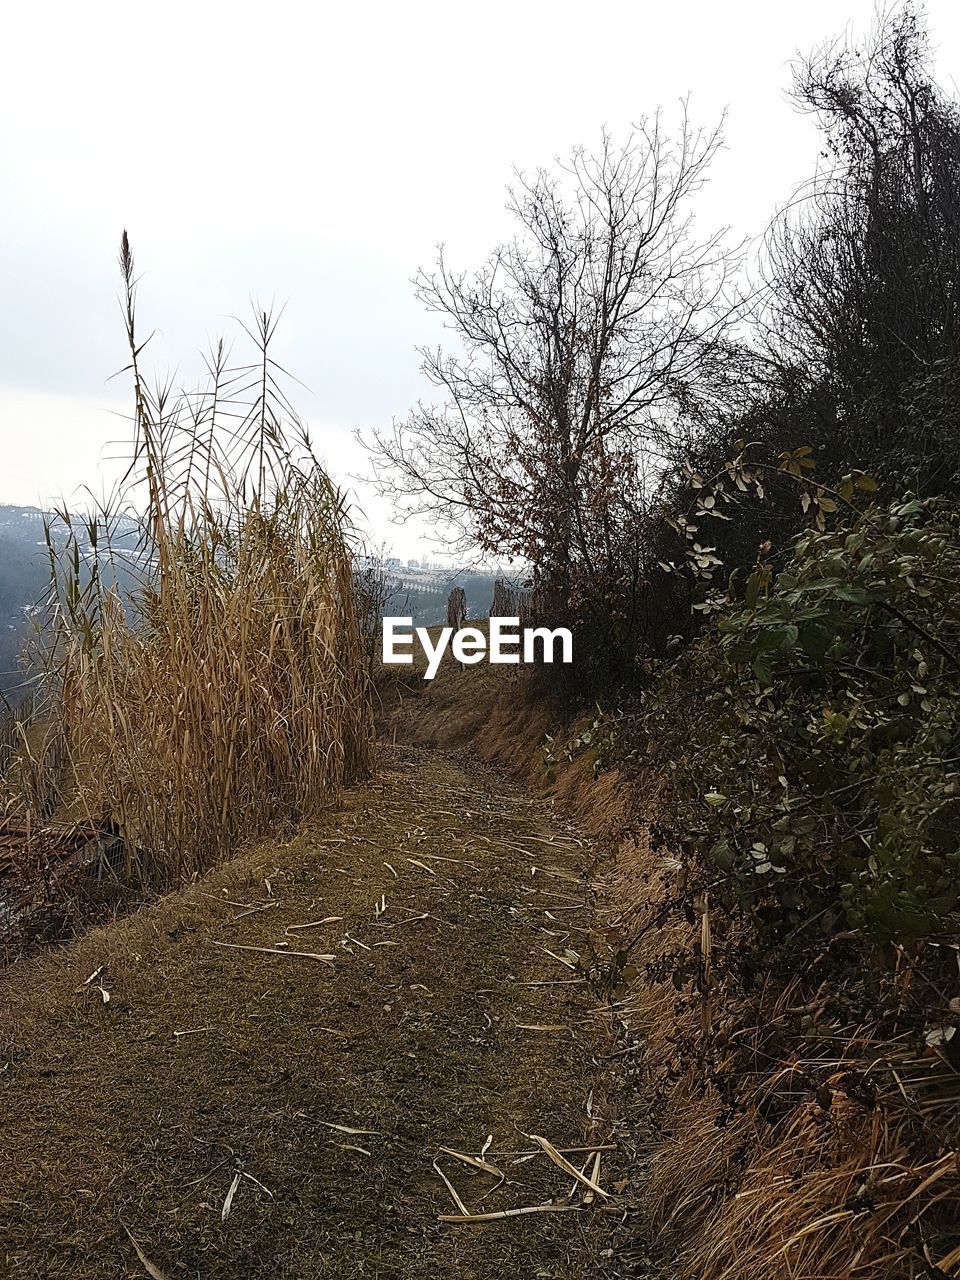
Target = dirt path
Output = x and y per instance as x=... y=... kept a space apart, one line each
x=137 y=1114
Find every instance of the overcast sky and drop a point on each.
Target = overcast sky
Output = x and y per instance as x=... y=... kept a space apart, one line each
x=315 y=155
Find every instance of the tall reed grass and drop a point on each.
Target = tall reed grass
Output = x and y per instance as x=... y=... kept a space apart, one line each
x=202 y=634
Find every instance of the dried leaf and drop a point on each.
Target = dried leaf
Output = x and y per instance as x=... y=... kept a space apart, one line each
x=453 y=1191
x=228 y=1202
x=477 y=1162
x=151 y=1268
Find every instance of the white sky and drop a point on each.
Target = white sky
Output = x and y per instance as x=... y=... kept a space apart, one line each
x=315 y=155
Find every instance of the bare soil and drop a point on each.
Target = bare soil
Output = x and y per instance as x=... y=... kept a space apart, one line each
x=322 y=1092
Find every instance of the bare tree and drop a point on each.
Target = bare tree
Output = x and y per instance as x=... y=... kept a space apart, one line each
x=865 y=263
x=581 y=343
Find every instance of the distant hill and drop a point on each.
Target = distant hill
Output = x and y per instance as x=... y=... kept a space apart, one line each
x=423 y=594
x=416 y=592
x=23 y=576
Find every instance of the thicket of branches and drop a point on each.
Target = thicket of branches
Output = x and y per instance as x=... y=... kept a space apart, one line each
x=579 y=346
x=864 y=321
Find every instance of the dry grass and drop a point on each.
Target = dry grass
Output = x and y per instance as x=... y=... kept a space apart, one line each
x=207 y=670
x=207 y=1062
x=781 y=1143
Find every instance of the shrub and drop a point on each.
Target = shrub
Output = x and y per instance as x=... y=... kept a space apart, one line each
x=819 y=776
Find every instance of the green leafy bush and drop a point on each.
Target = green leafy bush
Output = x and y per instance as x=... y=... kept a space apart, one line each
x=819 y=774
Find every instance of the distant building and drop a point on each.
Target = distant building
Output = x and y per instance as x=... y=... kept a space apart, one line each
x=414 y=564
x=393 y=563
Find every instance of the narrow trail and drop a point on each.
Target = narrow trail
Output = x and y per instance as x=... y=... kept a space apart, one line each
x=322 y=1093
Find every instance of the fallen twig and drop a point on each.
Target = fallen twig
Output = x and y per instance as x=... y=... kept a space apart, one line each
x=564 y=1164
x=275 y=951
x=410 y=920
x=555 y=982
x=496 y=1215
x=463 y=862
x=313 y=924
x=346 y=1128
x=274 y=902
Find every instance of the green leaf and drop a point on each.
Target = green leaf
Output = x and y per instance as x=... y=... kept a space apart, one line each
x=815 y=640
x=763 y=672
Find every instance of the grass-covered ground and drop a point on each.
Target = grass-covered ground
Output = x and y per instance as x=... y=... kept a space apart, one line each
x=442 y=1020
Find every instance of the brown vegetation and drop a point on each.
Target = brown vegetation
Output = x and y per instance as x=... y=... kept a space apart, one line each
x=755 y=539
x=784 y=1131
x=246 y=1113
x=204 y=668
